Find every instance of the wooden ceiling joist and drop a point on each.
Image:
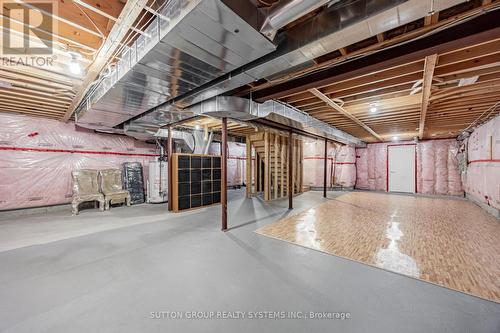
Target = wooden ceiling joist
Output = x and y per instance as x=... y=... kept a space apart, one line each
x=337 y=107
x=124 y=22
x=430 y=64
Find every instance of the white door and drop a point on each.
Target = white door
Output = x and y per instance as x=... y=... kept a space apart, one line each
x=401 y=167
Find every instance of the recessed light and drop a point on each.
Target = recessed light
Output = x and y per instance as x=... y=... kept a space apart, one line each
x=75 y=67
x=373 y=109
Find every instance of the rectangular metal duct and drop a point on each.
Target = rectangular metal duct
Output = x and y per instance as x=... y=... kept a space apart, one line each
x=342 y=24
x=246 y=110
x=189 y=44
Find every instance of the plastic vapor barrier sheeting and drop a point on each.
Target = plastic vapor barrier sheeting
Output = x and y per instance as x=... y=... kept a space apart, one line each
x=482 y=178
x=37 y=157
x=133 y=181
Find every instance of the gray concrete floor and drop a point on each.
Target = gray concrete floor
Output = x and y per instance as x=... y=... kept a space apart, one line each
x=90 y=278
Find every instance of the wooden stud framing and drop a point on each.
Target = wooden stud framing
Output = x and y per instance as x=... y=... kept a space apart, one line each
x=275 y=170
x=267 y=167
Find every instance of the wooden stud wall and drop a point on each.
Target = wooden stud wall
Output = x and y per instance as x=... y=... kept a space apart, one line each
x=270 y=167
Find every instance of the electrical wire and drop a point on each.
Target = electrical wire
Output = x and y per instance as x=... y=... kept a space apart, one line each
x=478 y=119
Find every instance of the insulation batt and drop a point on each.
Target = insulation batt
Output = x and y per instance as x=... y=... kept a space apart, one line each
x=39 y=172
x=437 y=167
x=341 y=164
x=482 y=179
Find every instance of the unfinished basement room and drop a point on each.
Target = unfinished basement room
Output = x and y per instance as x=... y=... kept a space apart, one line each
x=250 y=166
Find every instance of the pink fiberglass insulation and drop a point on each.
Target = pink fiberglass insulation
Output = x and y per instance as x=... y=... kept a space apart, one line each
x=482 y=179
x=371 y=163
x=362 y=168
x=340 y=164
x=345 y=166
x=37 y=156
x=437 y=167
x=235 y=161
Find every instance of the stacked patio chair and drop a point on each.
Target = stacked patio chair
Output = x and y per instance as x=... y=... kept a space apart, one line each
x=86 y=189
x=112 y=188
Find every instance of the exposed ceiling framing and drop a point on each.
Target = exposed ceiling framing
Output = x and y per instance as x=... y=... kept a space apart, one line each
x=96 y=30
x=416 y=96
x=427 y=95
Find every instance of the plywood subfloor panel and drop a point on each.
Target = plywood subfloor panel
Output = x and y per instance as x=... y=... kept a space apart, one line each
x=450 y=242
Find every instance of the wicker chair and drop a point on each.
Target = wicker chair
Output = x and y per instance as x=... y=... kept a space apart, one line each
x=112 y=188
x=86 y=189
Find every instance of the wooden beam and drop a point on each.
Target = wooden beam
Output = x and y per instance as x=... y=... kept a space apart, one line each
x=431 y=19
x=381 y=37
x=480 y=29
x=340 y=109
x=124 y=22
x=430 y=64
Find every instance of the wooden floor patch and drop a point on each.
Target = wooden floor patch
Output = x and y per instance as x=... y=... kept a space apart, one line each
x=453 y=243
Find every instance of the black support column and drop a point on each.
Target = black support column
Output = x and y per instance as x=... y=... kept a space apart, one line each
x=290 y=170
x=224 y=174
x=325 y=167
x=170 y=150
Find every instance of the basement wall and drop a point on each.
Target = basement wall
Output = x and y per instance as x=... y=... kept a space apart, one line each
x=37 y=156
x=482 y=177
x=437 y=167
x=341 y=164
x=235 y=161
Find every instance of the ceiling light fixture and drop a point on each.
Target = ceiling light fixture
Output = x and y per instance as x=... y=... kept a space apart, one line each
x=197 y=127
x=395 y=138
x=74 y=64
x=373 y=109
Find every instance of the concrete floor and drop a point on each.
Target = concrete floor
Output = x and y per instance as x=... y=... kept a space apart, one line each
x=91 y=278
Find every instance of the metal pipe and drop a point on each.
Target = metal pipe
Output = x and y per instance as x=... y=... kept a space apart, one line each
x=288 y=12
x=223 y=187
x=290 y=170
x=170 y=149
x=325 y=167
